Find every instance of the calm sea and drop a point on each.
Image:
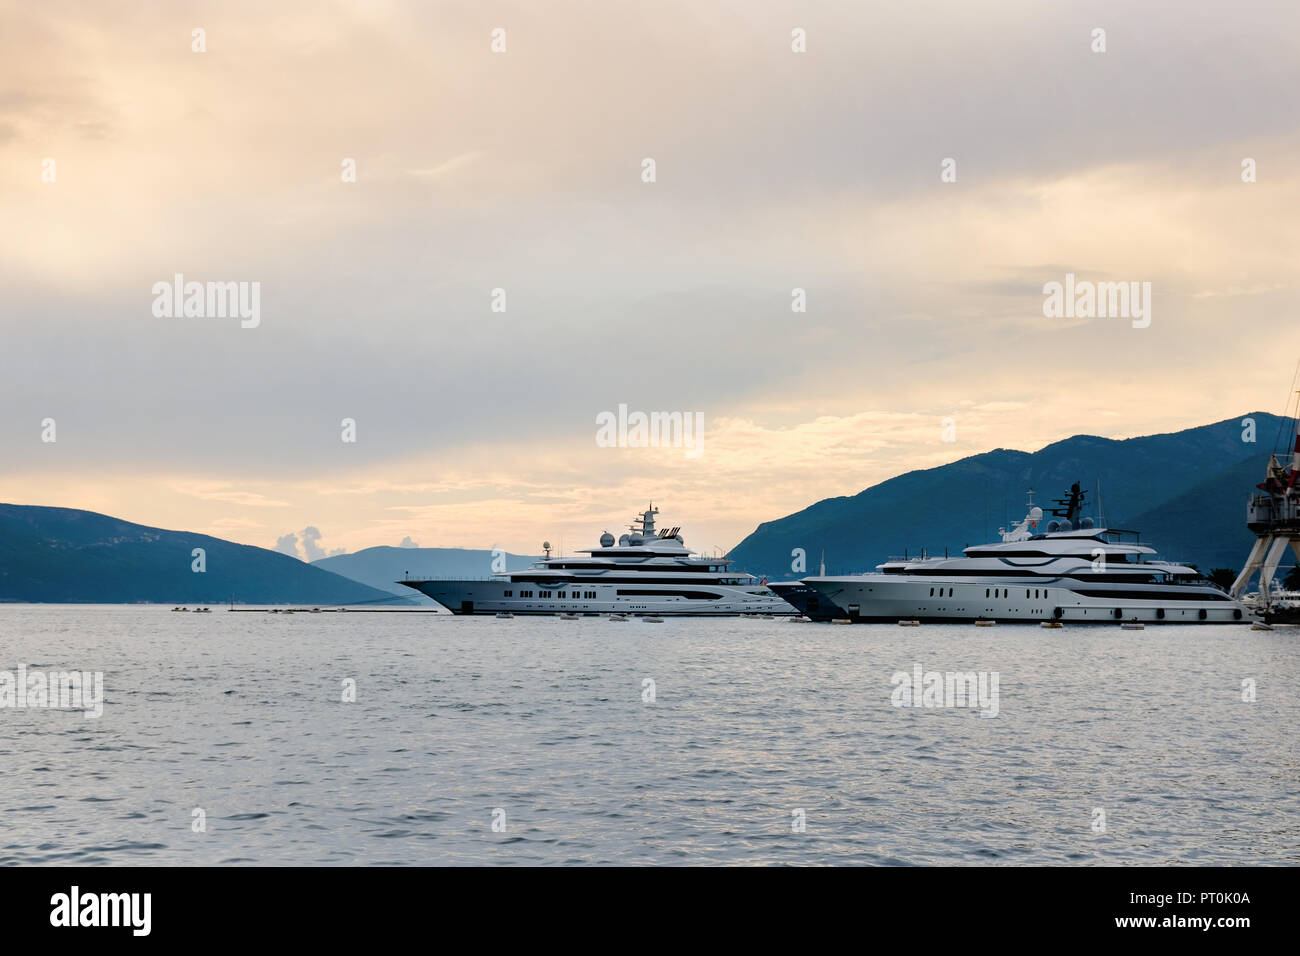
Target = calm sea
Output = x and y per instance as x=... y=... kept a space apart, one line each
x=541 y=741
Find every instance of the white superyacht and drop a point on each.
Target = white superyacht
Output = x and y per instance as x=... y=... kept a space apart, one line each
x=643 y=574
x=1064 y=569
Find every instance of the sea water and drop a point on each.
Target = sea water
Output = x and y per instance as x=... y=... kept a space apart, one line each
x=416 y=738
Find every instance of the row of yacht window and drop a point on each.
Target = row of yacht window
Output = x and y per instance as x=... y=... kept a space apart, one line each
x=560 y=595
x=995 y=592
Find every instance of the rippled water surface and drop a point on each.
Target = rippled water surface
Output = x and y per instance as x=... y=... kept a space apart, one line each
x=240 y=714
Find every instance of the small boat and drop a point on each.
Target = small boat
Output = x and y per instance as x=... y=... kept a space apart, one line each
x=652 y=620
x=909 y=623
x=983 y=623
x=620 y=618
x=1133 y=626
x=1260 y=626
x=1051 y=624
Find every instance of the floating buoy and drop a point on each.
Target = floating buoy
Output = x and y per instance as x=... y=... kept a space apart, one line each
x=619 y=618
x=1051 y=624
x=909 y=623
x=840 y=620
x=653 y=620
x=504 y=614
x=568 y=616
x=984 y=623
x=1133 y=626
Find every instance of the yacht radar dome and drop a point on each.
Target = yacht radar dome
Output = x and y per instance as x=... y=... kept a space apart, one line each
x=607 y=540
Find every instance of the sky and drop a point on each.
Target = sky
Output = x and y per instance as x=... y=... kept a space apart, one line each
x=502 y=269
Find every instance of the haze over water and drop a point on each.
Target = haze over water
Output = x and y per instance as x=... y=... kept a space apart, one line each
x=240 y=714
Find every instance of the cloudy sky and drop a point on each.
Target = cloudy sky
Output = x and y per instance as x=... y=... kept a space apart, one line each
x=126 y=157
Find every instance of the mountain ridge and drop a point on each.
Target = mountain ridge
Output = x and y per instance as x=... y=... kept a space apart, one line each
x=963 y=502
x=1185 y=491
x=72 y=556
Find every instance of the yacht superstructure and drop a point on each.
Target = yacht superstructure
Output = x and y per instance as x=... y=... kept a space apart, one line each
x=1063 y=568
x=645 y=572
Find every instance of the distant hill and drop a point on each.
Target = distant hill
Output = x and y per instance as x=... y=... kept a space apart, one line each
x=381 y=566
x=62 y=555
x=1185 y=492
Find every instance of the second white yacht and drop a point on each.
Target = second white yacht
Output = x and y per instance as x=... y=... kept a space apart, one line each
x=1064 y=569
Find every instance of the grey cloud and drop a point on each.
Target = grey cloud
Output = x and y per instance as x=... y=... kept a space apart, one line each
x=288 y=544
x=310 y=536
x=671 y=296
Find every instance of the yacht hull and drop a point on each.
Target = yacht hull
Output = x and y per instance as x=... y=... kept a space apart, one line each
x=807 y=601
x=888 y=598
x=489 y=597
